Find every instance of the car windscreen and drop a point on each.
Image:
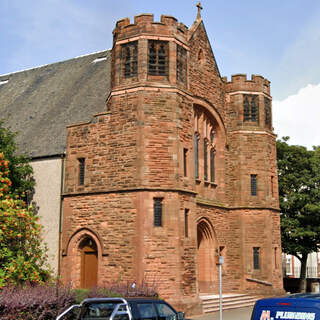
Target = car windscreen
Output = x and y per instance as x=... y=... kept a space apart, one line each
x=99 y=310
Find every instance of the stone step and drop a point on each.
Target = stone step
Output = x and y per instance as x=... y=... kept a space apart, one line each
x=210 y=303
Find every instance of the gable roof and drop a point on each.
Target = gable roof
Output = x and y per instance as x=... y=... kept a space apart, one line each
x=40 y=103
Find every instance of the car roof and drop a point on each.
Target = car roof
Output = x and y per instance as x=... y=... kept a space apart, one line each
x=300 y=299
x=120 y=300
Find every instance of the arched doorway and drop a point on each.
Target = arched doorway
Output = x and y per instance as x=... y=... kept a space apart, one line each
x=207 y=247
x=89 y=263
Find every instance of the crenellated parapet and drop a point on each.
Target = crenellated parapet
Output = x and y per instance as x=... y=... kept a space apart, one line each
x=239 y=82
x=147 y=52
x=144 y=24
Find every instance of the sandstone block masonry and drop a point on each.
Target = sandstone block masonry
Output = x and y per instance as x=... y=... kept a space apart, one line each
x=179 y=169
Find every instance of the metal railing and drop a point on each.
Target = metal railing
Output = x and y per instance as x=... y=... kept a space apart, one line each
x=312 y=272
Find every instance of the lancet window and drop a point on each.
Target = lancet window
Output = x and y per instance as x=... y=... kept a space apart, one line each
x=204 y=146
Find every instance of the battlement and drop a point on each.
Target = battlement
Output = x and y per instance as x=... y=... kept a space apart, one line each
x=239 y=82
x=144 y=23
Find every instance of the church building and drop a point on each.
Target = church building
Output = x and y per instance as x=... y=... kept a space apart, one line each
x=149 y=165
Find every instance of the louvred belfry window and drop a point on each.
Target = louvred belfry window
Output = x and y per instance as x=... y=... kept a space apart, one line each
x=81 y=170
x=157 y=212
x=158 y=58
x=253 y=179
x=130 y=59
x=256 y=258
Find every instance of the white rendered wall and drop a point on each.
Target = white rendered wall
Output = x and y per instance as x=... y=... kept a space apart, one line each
x=47 y=174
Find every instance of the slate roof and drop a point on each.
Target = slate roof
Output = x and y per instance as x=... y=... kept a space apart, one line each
x=39 y=103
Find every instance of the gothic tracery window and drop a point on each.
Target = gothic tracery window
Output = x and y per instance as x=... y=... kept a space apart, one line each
x=205 y=151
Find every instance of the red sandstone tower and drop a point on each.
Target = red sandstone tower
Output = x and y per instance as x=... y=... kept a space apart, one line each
x=179 y=169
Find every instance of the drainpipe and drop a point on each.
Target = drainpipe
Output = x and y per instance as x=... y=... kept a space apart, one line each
x=61 y=212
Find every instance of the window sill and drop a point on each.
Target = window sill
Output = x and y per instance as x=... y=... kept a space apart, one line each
x=212 y=184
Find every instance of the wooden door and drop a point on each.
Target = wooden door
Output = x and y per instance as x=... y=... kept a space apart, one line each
x=89 y=266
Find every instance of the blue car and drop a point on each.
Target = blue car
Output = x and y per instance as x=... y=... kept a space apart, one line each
x=294 y=307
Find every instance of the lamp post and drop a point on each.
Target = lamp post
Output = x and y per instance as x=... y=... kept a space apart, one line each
x=220 y=263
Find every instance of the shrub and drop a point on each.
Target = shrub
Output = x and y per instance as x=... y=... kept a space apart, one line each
x=46 y=302
x=117 y=290
x=42 y=302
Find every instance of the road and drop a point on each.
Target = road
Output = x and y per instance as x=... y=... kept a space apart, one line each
x=234 y=314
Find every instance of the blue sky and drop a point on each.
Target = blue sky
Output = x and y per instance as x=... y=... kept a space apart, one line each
x=277 y=39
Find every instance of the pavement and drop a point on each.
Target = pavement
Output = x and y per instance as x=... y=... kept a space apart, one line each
x=233 y=314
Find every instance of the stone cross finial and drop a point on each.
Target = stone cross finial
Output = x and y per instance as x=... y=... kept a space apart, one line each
x=199 y=10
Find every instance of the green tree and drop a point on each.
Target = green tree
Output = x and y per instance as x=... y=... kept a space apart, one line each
x=299 y=195
x=20 y=172
x=22 y=254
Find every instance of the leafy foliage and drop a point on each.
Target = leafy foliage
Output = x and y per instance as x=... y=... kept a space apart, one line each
x=22 y=254
x=41 y=302
x=299 y=195
x=46 y=302
x=20 y=172
x=118 y=289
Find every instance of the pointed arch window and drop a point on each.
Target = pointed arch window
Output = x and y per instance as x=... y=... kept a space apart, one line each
x=196 y=155
x=204 y=148
x=205 y=159
x=212 y=165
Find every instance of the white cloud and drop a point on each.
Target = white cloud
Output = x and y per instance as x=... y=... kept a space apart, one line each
x=298 y=117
